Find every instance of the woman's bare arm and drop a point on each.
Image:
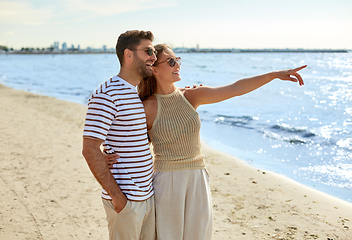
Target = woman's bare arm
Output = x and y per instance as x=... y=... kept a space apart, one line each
x=206 y=95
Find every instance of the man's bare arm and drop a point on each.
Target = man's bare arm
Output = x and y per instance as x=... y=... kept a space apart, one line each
x=100 y=169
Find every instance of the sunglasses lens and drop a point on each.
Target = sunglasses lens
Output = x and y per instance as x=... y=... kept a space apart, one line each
x=150 y=51
x=172 y=62
x=178 y=60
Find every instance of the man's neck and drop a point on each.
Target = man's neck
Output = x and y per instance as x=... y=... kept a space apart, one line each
x=130 y=77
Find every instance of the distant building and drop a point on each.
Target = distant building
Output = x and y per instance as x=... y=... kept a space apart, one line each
x=104 y=48
x=64 y=47
x=73 y=49
x=56 y=46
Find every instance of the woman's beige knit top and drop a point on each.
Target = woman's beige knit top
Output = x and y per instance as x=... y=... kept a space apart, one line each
x=174 y=135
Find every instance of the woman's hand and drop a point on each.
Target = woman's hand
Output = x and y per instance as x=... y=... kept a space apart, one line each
x=290 y=75
x=111 y=158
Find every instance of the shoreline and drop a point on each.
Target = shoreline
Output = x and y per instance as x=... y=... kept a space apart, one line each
x=48 y=191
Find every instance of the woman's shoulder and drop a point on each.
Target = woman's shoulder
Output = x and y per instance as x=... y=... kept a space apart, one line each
x=186 y=90
x=189 y=91
x=192 y=94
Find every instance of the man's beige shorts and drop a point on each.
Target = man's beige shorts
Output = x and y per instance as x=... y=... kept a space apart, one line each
x=136 y=221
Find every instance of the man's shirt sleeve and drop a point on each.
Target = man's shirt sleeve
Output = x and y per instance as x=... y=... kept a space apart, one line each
x=100 y=114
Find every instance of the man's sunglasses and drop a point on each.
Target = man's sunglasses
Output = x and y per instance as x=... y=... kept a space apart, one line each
x=171 y=61
x=149 y=51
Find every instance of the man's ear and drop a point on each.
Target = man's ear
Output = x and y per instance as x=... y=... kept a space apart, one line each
x=128 y=54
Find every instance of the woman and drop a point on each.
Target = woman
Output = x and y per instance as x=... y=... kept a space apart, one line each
x=181 y=183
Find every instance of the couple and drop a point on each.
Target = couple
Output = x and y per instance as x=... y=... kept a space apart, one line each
x=170 y=197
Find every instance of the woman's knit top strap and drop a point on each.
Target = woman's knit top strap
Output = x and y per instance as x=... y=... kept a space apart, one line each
x=175 y=134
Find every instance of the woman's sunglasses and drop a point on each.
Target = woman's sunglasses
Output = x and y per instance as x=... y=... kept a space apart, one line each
x=171 y=61
x=149 y=51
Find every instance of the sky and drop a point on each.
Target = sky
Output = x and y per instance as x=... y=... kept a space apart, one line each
x=239 y=24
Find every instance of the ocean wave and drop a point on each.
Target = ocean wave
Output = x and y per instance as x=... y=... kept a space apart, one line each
x=201 y=66
x=241 y=121
x=295 y=135
x=299 y=130
x=289 y=139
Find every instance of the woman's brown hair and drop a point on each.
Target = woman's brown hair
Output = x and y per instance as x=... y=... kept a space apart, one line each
x=147 y=86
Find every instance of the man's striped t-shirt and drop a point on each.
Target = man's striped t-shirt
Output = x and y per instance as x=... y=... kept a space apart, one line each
x=116 y=116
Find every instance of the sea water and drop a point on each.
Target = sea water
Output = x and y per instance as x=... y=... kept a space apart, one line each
x=304 y=133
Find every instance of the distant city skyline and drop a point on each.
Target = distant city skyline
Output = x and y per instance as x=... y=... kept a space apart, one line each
x=252 y=24
x=56 y=49
x=64 y=46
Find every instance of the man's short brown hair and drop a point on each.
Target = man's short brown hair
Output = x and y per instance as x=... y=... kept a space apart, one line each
x=130 y=40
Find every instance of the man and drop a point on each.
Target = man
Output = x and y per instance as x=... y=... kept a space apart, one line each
x=116 y=120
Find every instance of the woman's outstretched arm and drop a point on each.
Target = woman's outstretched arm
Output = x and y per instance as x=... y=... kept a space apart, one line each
x=207 y=95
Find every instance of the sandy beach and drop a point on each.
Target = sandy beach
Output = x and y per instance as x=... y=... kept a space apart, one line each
x=48 y=192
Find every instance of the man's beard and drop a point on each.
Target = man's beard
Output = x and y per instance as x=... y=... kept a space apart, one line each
x=141 y=67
